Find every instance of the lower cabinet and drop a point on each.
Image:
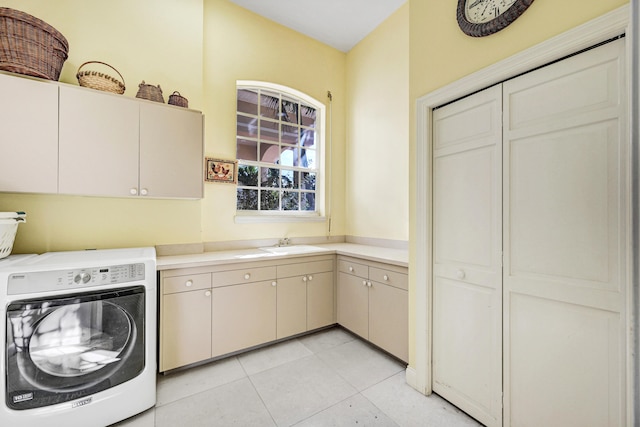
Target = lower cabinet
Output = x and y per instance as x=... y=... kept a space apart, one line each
x=207 y=312
x=373 y=302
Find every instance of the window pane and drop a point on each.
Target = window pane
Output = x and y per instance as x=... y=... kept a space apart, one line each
x=286 y=157
x=269 y=105
x=308 y=116
x=246 y=150
x=269 y=177
x=290 y=134
x=269 y=153
x=308 y=181
x=308 y=202
x=247 y=200
x=247 y=126
x=248 y=175
x=290 y=110
x=307 y=137
x=290 y=200
x=269 y=200
x=289 y=179
x=247 y=101
x=269 y=130
x=307 y=159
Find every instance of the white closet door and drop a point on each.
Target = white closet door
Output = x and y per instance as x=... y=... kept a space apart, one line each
x=467 y=293
x=564 y=242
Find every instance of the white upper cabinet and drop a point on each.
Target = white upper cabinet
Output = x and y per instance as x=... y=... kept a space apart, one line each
x=71 y=140
x=171 y=154
x=99 y=136
x=29 y=142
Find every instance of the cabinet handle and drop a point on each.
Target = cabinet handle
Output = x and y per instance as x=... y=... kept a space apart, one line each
x=188 y=283
x=310 y=277
x=461 y=274
x=369 y=284
x=274 y=283
x=133 y=191
x=350 y=269
x=247 y=276
x=207 y=294
x=364 y=283
x=144 y=192
x=304 y=278
x=386 y=278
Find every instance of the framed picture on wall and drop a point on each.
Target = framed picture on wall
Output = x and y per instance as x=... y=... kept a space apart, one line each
x=217 y=170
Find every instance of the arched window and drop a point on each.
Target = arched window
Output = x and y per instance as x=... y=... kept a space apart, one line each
x=279 y=145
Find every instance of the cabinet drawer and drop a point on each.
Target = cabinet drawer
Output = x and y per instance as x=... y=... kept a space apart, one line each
x=193 y=282
x=303 y=268
x=353 y=268
x=248 y=275
x=397 y=280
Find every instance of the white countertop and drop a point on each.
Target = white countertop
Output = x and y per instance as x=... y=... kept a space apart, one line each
x=399 y=257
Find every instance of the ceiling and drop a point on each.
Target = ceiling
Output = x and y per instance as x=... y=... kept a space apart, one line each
x=338 y=23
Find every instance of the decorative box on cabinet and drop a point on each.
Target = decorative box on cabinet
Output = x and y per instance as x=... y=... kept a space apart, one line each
x=29 y=142
x=373 y=303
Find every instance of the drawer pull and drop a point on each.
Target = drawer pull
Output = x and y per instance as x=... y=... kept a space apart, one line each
x=386 y=278
x=247 y=276
x=274 y=283
x=188 y=283
x=350 y=269
x=207 y=294
x=461 y=274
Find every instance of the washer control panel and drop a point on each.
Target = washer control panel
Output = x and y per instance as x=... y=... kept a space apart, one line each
x=43 y=281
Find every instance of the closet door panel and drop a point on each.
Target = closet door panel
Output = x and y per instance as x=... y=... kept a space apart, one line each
x=467 y=278
x=565 y=243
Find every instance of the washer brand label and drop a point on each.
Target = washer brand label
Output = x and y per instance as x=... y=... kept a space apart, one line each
x=22 y=397
x=81 y=402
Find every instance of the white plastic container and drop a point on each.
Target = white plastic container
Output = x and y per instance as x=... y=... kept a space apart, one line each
x=8 y=228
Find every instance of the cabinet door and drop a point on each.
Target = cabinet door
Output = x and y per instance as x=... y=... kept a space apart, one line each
x=389 y=319
x=98 y=143
x=186 y=329
x=243 y=316
x=320 y=300
x=292 y=306
x=171 y=152
x=29 y=143
x=353 y=305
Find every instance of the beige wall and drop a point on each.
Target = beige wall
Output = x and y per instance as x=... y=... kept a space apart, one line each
x=377 y=179
x=441 y=54
x=200 y=48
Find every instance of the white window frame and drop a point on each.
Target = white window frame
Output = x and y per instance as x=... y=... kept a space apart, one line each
x=258 y=216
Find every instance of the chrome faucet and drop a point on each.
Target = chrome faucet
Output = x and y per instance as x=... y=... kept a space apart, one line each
x=284 y=242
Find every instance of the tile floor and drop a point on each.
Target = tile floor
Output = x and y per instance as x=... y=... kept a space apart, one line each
x=330 y=378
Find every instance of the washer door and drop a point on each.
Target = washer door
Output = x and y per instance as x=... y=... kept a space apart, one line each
x=72 y=346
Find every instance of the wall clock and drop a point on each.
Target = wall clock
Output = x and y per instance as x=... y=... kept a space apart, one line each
x=479 y=18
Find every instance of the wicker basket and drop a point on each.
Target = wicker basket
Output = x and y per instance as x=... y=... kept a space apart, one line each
x=8 y=228
x=176 y=99
x=150 y=92
x=100 y=81
x=30 y=46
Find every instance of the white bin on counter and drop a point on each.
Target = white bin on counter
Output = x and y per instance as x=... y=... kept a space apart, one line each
x=8 y=228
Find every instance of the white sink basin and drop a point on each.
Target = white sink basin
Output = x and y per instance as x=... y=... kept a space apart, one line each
x=291 y=250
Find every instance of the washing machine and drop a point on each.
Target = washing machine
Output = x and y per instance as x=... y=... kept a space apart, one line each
x=79 y=337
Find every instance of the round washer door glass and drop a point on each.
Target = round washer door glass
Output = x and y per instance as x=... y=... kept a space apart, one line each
x=77 y=339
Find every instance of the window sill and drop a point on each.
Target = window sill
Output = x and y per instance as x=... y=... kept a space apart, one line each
x=253 y=218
